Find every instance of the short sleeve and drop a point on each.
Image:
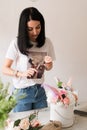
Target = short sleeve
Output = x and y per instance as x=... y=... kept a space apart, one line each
x=12 y=51
x=51 y=51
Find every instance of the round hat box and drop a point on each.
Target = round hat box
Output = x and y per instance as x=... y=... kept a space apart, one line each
x=62 y=113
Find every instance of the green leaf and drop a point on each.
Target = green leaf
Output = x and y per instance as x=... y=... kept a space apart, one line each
x=59 y=84
x=32 y=116
x=16 y=123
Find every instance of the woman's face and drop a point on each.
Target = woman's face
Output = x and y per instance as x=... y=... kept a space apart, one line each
x=34 y=28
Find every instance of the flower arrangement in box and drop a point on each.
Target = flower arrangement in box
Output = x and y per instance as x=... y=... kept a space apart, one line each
x=63 y=93
x=62 y=99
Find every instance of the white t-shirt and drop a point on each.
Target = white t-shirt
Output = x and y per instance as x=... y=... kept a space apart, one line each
x=21 y=62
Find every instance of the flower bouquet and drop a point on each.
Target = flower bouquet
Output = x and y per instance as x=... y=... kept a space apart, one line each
x=7 y=103
x=62 y=99
x=27 y=123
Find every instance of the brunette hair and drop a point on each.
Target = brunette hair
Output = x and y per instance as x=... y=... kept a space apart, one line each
x=23 y=40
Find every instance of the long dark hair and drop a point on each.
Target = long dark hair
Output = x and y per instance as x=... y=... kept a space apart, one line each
x=23 y=41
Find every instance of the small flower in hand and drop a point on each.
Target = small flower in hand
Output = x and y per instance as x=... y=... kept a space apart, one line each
x=47 y=59
x=48 y=62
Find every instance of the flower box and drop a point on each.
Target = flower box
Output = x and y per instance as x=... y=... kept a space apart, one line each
x=61 y=113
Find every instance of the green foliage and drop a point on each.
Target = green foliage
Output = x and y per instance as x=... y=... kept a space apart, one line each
x=7 y=103
x=59 y=84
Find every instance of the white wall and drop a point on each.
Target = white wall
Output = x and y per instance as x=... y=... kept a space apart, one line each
x=66 y=25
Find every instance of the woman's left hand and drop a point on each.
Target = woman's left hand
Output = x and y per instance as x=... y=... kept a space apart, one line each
x=47 y=59
x=48 y=62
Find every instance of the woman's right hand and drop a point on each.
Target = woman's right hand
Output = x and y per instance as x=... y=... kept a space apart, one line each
x=29 y=73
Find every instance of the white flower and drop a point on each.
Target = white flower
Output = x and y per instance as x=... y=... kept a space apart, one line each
x=24 y=124
x=16 y=128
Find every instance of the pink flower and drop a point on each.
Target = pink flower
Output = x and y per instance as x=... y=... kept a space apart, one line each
x=63 y=94
x=62 y=91
x=66 y=101
x=35 y=123
x=24 y=124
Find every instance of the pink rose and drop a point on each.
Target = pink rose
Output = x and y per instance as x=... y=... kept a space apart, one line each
x=66 y=101
x=35 y=123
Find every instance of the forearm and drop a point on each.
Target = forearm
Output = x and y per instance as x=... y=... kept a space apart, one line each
x=9 y=71
x=18 y=74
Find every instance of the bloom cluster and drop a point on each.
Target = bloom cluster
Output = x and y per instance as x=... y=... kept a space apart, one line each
x=63 y=93
x=28 y=123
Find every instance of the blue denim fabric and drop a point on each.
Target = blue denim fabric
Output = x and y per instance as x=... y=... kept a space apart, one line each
x=35 y=98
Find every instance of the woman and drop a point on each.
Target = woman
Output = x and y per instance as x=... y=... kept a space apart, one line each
x=28 y=56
